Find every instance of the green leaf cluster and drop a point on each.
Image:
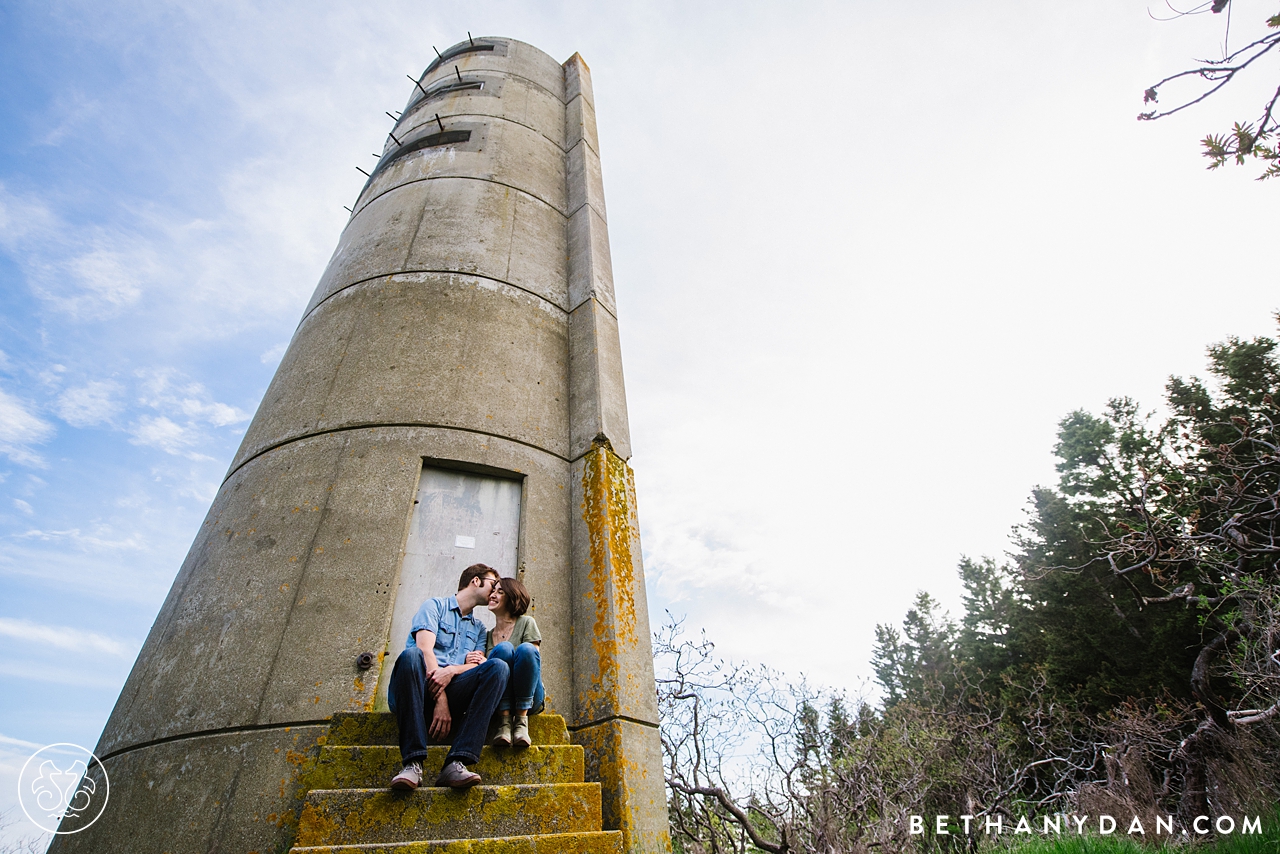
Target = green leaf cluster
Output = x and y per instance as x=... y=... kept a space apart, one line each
x=1145 y=509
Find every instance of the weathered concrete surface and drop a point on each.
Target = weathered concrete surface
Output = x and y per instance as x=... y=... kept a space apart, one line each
x=443 y=350
x=348 y=816
x=616 y=715
x=597 y=399
x=371 y=766
x=514 y=59
x=532 y=799
x=362 y=728
x=603 y=842
x=505 y=153
x=613 y=671
x=456 y=225
x=592 y=271
x=504 y=96
x=291 y=578
x=239 y=791
x=627 y=758
x=467 y=320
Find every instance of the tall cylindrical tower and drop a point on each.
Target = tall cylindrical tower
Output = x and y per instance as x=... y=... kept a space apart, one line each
x=453 y=394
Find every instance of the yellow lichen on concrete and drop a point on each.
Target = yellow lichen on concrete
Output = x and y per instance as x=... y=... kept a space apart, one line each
x=351 y=816
x=608 y=511
x=371 y=766
x=631 y=802
x=613 y=676
x=598 y=842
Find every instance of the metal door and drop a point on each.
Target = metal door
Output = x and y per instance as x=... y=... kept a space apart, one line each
x=459 y=519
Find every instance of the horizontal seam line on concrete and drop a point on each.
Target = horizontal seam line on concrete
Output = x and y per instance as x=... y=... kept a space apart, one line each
x=570 y=215
x=591 y=448
x=361 y=208
x=626 y=718
x=371 y=426
x=536 y=296
x=558 y=145
x=582 y=140
x=558 y=99
x=598 y=302
x=206 y=733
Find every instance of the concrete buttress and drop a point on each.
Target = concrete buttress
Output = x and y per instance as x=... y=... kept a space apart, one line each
x=465 y=325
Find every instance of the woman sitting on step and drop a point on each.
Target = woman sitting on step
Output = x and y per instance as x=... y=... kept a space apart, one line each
x=516 y=640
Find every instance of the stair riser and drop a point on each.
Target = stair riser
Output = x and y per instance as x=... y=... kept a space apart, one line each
x=373 y=767
x=361 y=728
x=354 y=816
x=604 y=842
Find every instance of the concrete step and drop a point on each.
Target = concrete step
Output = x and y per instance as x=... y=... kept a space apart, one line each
x=362 y=728
x=365 y=816
x=373 y=766
x=599 y=842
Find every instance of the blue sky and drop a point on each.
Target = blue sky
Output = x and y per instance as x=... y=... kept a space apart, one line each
x=866 y=254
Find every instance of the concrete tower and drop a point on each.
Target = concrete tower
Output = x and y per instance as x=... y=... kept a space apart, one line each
x=453 y=394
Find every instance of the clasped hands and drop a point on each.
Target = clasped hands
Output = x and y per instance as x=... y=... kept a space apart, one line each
x=437 y=681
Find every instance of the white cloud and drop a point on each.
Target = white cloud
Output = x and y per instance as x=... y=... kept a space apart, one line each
x=53 y=375
x=167 y=391
x=110 y=277
x=17 y=742
x=23 y=506
x=160 y=432
x=19 y=430
x=270 y=357
x=217 y=414
x=183 y=406
x=73 y=110
x=62 y=637
x=20 y=217
x=90 y=404
x=87 y=542
x=88 y=272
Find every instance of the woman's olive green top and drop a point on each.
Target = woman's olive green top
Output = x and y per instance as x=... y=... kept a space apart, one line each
x=524 y=631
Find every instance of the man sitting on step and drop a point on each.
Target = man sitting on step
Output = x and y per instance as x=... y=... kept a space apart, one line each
x=435 y=680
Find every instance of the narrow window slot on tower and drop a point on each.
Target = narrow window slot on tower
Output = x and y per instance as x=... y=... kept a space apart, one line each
x=459 y=51
x=435 y=140
x=441 y=91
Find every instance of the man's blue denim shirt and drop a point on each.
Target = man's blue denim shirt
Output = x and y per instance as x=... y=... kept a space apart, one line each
x=456 y=635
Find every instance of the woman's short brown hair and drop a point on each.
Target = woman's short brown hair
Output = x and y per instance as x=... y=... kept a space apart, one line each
x=517 y=596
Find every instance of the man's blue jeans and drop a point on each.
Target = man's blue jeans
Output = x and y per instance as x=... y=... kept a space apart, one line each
x=473 y=696
x=524 y=687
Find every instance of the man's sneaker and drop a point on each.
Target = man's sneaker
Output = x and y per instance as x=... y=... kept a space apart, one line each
x=520 y=731
x=409 y=778
x=501 y=732
x=456 y=776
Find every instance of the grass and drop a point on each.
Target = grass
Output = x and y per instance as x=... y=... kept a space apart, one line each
x=1267 y=842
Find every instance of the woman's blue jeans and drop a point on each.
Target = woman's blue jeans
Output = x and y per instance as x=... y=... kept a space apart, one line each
x=524 y=687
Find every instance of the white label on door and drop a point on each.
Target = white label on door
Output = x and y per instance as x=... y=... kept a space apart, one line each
x=461 y=542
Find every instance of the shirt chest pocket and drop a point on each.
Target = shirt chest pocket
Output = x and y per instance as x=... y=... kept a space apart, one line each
x=446 y=637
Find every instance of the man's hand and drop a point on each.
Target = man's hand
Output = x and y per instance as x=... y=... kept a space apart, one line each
x=475 y=657
x=441 y=720
x=437 y=681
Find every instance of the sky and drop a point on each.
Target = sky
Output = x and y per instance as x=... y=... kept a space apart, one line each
x=867 y=256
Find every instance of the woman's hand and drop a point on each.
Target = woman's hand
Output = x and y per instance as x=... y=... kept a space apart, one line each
x=438 y=680
x=475 y=657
